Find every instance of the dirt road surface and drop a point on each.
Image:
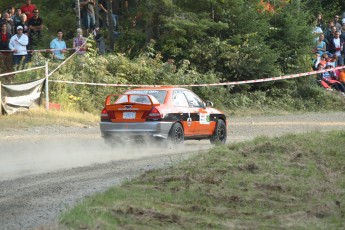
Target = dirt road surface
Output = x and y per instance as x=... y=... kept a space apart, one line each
x=46 y=170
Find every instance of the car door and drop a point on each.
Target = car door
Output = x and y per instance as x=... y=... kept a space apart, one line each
x=202 y=121
x=184 y=112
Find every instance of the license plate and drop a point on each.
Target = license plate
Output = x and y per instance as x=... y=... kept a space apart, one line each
x=128 y=115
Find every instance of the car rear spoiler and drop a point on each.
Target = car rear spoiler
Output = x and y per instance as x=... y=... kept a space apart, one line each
x=112 y=99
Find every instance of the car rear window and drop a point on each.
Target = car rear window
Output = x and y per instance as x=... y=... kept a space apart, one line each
x=158 y=94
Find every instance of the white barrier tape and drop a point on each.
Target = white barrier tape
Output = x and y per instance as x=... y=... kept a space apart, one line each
x=21 y=71
x=212 y=84
x=38 y=51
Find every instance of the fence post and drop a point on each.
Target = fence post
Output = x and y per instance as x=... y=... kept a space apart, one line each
x=47 y=91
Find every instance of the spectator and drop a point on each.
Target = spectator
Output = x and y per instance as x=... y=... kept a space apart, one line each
x=321 y=45
x=35 y=26
x=337 y=47
x=328 y=31
x=332 y=60
x=103 y=11
x=329 y=39
x=5 y=57
x=24 y=23
x=116 y=8
x=88 y=15
x=336 y=22
x=315 y=61
x=317 y=32
x=59 y=46
x=321 y=66
x=18 y=45
x=99 y=41
x=341 y=76
x=28 y=9
x=319 y=22
x=11 y=11
x=9 y=22
x=331 y=79
x=324 y=57
x=16 y=16
x=342 y=31
x=79 y=42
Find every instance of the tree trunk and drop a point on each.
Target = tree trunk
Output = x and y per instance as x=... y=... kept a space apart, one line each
x=111 y=30
x=77 y=11
x=96 y=14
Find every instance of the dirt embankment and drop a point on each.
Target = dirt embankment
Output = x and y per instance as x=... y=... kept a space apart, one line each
x=45 y=170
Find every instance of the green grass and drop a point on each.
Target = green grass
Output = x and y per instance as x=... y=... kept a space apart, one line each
x=290 y=182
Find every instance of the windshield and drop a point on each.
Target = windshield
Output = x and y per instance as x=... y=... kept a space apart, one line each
x=158 y=94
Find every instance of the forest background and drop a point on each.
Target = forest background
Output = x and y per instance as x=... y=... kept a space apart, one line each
x=168 y=42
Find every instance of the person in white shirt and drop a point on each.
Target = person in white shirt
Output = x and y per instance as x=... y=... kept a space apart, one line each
x=338 y=46
x=18 y=45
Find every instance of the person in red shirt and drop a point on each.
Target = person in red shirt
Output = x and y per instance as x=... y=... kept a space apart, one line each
x=5 y=56
x=28 y=9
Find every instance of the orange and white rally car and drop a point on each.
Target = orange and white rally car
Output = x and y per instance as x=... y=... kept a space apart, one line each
x=171 y=113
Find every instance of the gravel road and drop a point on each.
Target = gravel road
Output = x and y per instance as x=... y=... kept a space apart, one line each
x=46 y=170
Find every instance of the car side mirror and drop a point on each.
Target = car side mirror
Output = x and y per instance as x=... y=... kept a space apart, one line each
x=209 y=104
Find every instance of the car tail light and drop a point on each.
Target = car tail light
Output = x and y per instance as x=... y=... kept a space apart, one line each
x=154 y=114
x=107 y=115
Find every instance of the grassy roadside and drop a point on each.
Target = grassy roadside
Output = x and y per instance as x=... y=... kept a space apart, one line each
x=41 y=117
x=295 y=181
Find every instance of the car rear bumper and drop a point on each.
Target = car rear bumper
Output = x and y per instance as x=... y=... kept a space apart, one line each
x=154 y=129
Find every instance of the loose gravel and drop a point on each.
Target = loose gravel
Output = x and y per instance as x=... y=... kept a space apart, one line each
x=46 y=170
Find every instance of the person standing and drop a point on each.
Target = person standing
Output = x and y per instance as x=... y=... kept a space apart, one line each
x=16 y=17
x=116 y=8
x=59 y=46
x=79 y=42
x=338 y=47
x=88 y=15
x=18 y=45
x=28 y=9
x=319 y=22
x=9 y=22
x=35 y=26
x=5 y=57
x=321 y=44
x=11 y=11
x=24 y=23
x=336 y=22
x=103 y=11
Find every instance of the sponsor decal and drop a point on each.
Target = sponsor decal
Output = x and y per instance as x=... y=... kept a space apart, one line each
x=204 y=118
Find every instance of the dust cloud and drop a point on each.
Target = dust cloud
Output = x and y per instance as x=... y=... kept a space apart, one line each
x=22 y=158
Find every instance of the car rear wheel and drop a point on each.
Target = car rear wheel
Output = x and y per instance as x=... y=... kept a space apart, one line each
x=220 y=133
x=176 y=135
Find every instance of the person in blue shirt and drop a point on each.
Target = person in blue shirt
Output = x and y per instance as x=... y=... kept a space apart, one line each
x=59 y=46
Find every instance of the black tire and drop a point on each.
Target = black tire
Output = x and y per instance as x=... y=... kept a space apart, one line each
x=220 y=133
x=176 y=135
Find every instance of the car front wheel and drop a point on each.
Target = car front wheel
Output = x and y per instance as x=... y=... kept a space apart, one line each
x=220 y=133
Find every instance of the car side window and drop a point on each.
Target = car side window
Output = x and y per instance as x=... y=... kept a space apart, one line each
x=193 y=99
x=179 y=99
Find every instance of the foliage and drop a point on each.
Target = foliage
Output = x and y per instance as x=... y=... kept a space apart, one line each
x=168 y=42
